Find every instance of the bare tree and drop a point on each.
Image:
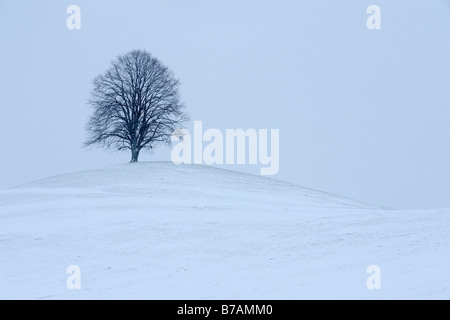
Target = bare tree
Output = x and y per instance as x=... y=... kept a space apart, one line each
x=136 y=105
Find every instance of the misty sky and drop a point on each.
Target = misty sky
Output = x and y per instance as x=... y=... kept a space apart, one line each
x=361 y=113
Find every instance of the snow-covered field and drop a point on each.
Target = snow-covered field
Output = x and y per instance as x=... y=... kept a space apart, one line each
x=160 y=231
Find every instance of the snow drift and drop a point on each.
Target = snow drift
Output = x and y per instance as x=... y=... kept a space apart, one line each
x=156 y=231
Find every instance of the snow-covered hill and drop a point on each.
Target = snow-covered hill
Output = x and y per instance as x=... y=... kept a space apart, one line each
x=156 y=230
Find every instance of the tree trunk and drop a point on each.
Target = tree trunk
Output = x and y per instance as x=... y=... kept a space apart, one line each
x=134 y=155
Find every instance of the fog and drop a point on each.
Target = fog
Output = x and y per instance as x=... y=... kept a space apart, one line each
x=361 y=113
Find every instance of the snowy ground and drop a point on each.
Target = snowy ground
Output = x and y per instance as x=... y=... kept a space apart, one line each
x=159 y=231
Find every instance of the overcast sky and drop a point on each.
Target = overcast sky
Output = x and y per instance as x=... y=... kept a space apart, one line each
x=362 y=113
